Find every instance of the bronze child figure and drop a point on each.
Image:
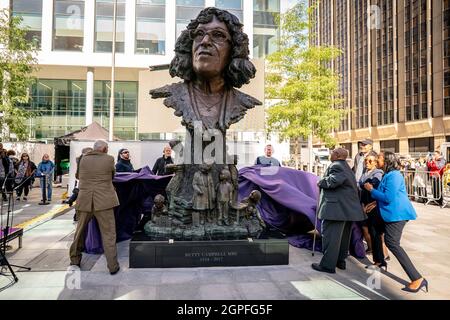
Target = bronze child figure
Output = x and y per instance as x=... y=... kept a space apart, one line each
x=204 y=193
x=224 y=196
x=250 y=211
x=159 y=210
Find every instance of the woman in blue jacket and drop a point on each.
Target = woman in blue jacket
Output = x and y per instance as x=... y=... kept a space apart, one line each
x=396 y=210
x=45 y=168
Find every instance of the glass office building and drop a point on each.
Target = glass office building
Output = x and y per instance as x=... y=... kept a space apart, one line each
x=395 y=71
x=74 y=39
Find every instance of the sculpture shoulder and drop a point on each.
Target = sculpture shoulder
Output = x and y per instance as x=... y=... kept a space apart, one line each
x=168 y=90
x=176 y=97
x=246 y=100
x=238 y=107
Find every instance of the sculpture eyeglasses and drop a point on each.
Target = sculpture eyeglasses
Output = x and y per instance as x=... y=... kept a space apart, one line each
x=217 y=36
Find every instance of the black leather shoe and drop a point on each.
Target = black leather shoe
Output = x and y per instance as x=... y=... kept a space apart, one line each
x=114 y=272
x=319 y=268
x=341 y=265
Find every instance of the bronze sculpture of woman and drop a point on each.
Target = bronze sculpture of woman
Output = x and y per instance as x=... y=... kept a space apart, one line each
x=211 y=56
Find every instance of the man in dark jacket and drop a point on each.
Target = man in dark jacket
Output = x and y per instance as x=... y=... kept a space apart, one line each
x=123 y=161
x=339 y=206
x=159 y=168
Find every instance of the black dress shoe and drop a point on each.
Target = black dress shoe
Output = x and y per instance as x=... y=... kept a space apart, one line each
x=319 y=268
x=341 y=265
x=114 y=272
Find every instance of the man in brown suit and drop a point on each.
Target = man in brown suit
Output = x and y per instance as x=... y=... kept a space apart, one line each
x=97 y=197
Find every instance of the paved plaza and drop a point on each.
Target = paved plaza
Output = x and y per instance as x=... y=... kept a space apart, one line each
x=45 y=249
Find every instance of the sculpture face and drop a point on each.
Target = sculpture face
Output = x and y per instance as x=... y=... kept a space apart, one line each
x=211 y=49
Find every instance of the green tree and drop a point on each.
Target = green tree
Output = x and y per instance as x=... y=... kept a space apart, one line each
x=17 y=65
x=302 y=84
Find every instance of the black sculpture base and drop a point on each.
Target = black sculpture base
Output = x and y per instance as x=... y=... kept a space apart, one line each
x=145 y=253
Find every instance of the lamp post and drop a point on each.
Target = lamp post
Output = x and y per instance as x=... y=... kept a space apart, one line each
x=113 y=75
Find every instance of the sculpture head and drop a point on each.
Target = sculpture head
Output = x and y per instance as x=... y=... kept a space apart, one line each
x=255 y=196
x=213 y=45
x=225 y=175
x=159 y=201
x=205 y=167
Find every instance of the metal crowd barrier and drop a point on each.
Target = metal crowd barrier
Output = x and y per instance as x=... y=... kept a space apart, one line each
x=445 y=189
x=422 y=186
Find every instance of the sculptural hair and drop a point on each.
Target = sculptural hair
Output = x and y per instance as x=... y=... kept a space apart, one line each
x=239 y=70
x=159 y=199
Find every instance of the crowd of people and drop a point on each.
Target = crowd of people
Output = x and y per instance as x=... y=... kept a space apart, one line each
x=374 y=196
x=18 y=175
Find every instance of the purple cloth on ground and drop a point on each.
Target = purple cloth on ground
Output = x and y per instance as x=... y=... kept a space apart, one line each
x=288 y=203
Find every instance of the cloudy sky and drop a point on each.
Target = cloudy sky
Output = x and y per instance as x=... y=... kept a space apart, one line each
x=286 y=4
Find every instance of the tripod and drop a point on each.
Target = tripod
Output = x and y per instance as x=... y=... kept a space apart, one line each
x=4 y=262
x=9 y=222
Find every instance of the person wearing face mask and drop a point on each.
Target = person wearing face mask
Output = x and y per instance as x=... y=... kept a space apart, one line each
x=159 y=168
x=45 y=169
x=123 y=161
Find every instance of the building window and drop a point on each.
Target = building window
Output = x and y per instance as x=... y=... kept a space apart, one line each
x=125 y=107
x=265 y=29
x=150 y=27
x=68 y=22
x=390 y=145
x=447 y=106
x=31 y=13
x=187 y=10
x=421 y=145
x=104 y=25
x=60 y=107
x=233 y=6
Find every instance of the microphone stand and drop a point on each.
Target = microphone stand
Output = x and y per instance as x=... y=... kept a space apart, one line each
x=10 y=213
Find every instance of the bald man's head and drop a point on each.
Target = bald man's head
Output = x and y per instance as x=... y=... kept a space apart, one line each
x=339 y=154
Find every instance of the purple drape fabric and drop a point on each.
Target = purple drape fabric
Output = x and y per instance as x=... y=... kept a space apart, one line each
x=289 y=201
x=136 y=191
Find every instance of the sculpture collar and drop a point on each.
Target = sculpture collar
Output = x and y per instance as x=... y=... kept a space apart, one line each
x=178 y=97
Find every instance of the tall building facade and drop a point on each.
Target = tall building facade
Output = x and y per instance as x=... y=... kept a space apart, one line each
x=395 y=70
x=74 y=38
